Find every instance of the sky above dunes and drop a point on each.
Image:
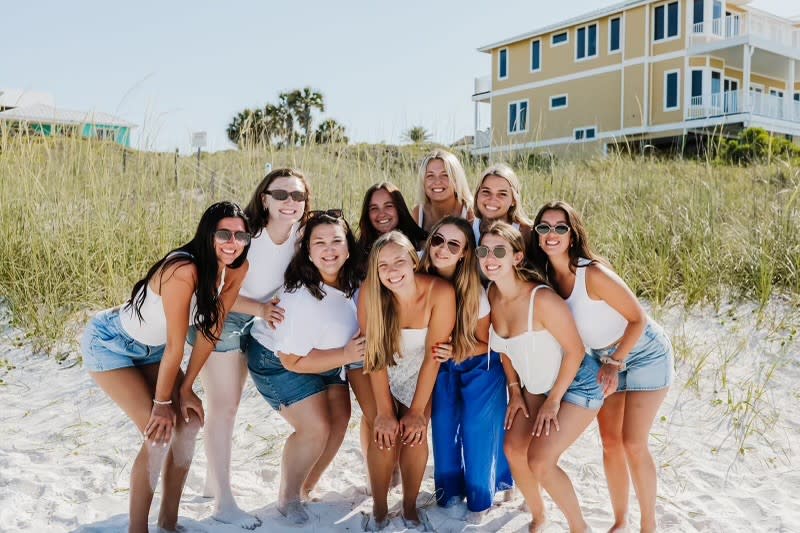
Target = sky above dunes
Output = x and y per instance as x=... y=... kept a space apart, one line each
x=178 y=67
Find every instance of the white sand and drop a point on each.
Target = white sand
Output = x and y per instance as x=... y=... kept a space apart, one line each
x=66 y=449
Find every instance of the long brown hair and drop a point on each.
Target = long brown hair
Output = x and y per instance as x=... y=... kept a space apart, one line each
x=255 y=210
x=467 y=283
x=405 y=222
x=524 y=271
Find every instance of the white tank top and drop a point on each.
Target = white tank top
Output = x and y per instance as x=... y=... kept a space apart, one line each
x=403 y=376
x=152 y=328
x=599 y=324
x=268 y=262
x=476 y=229
x=535 y=355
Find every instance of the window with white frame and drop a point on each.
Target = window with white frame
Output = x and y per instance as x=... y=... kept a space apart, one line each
x=797 y=97
x=776 y=92
x=671 y=90
x=558 y=101
x=667 y=21
x=588 y=133
x=614 y=35
x=502 y=64
x=586 y=42
x=536 y=55
x=559 y=38
x=518 y=116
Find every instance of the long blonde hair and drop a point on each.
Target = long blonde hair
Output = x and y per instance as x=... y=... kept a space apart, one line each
x=467 y=283
x=383 y=317
x=516 y=213
x=454 y=170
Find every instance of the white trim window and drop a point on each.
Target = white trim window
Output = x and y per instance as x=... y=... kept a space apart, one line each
x=615 y=35
x=559 y=39
x=517 y=117
x=585 y=134
x=667 y=21
x=502 y=64
x=776 y=92
x=536 y=55
x=672 y=90
x=586 y=42
x=559 y=101
x=797 y=97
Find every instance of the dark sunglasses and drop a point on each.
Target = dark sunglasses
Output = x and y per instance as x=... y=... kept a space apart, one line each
x=331 y=213
x=224 y=235
x=498 y=251
x=438 y=239
x=281 y=195
x=558 y=229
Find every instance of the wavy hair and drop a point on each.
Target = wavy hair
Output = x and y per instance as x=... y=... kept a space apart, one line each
x=383 y=317
x=255 y=210
x=467 y=283
x=516 y=213
x=301 y=272
x=454 y=170
x=199 y=251
x=405 y=223
x=524 y=271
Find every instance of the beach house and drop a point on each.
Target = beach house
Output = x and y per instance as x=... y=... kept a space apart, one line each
x=666 y=74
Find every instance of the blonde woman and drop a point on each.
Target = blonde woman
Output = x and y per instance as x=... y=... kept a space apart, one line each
x=443 y=190
x=404 y=315
x=469 y=400
x=497 y=197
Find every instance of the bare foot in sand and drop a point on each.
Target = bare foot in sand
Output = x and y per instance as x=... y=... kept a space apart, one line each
x=235 y=516
x=538 y=525
x=294 y=512
x=368 y=523
x=475 y=517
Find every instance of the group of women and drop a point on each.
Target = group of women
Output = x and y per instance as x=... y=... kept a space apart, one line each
x=507 y=336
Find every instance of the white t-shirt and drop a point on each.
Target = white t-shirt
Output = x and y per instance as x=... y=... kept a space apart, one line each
x=268 y=262
x=310 y=323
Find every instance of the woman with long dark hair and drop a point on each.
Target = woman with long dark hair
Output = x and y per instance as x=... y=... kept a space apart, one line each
x=298 y=366
x=134 y=352
x=384 y=209
x=635 y=353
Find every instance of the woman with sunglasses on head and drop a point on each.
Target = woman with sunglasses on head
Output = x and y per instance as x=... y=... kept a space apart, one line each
x=404 y=315
x=134 y=352
x=469 y=399
x=497 y=197
x=636 y=354
x=276 y=212
x=553 y=390
x=384 y=209
x=443 y=190
x=297 y=367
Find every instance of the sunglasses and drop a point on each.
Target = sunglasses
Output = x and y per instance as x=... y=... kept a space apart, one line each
x=331 y=213
x=438 y=239
x=281 y=195
x=558 y=229
x=225 y=235
x=484 y=251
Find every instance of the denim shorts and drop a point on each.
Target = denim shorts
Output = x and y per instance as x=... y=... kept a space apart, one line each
x=235 y=333
x=584 y=391
x=649 y=365
x=281 y=387
x=106 y=346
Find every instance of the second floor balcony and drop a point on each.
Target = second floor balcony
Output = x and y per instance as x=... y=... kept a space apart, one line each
x=768 y=29
x=735 y=102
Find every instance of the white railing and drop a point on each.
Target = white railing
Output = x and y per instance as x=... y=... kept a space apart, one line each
x=483 y=138
x=732 y=102
x=731 y=26
x=483 y=85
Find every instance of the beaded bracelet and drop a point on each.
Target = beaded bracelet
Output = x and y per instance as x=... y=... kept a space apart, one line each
x=162 y=402
x=614 y=362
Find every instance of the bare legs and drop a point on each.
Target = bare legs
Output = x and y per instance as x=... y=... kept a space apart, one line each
x=625 y=421
x=223 y=378
x=132 y=389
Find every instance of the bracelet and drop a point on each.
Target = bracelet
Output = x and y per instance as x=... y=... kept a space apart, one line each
x=162 y=402
x=512 y=384
x=614 y=362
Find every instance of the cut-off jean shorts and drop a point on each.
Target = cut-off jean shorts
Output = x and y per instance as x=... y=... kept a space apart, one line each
x=235 y=334
x=584 y=391
x=281 y=387
x=649 y=365
x=106 y=346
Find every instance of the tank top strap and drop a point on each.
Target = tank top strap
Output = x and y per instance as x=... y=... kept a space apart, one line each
x=421 y=215
x=530 y=309
x=464 y=211
x=222 y=280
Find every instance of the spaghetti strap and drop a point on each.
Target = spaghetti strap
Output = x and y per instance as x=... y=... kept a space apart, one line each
x=530 y=309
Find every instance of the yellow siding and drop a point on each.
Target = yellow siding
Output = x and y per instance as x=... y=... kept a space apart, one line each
x=635 y=39
x=717 y=63
x=657 y=113
x=698 y=61
x=634 y=96
x=767 y=82
x=735 y=74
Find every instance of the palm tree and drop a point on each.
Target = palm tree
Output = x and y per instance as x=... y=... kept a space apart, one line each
x=249 y=129
x=286 y=101
x=302 y=103
x=330 y=132
x=278 y=120
x=417 y=135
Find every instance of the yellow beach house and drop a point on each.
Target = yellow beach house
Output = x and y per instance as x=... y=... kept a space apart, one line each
x=642 y=72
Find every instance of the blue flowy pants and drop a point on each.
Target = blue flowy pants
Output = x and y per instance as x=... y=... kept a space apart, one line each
x=469 y=407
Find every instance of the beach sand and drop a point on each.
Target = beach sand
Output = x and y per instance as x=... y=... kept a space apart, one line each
x=725 y=444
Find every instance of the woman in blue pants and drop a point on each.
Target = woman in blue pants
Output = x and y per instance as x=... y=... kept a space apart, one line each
x=469 y=399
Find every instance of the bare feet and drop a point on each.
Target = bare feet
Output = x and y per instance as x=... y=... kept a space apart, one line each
x=417 y=520
x=475 y=517
x=509 y=494
x=368 y=523
x=619 y=527
x=237 y=517
x=537 y=526
x=294 y=512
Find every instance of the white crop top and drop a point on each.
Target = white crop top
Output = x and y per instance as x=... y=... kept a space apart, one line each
x=535 y=355
x=268 y=262
x=599 y=324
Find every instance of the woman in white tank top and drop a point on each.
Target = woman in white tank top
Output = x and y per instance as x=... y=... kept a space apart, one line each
x=443 y=190
x=497 y=197
x=404 y=316
x=636 y=354
x=533 y=328
x=134 y=353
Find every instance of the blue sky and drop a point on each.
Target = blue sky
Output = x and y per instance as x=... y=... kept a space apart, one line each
x=174 y=67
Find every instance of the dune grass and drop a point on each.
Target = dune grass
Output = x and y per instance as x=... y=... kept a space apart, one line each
x=81 y=221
